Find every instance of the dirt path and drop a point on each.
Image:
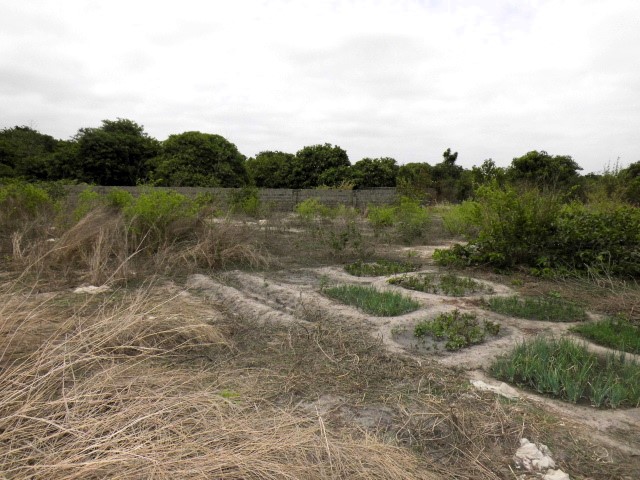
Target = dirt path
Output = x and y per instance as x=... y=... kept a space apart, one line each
x=296 y=297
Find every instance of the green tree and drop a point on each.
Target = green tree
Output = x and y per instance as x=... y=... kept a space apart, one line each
x=414 y=180
x=487 y=173
x=375 y=172
x=25 y=152
x=312 y=160
x=197 y=159
x=447 y=178
x=631 y=180
x=547 y=172
x=270 y=169
x=114 y=154
x=337 y=177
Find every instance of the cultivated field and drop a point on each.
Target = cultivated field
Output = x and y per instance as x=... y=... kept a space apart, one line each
x=217 y=349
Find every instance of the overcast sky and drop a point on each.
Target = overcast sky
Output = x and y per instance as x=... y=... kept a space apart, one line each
x=398 y=78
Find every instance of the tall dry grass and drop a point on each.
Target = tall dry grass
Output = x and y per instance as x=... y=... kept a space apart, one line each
x=103 y=248
x=115 y=395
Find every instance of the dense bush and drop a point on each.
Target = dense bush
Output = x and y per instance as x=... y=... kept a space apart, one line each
x=506 y=227
x=408 y=218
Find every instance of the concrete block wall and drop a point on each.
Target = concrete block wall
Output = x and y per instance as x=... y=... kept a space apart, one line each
x=279 y=199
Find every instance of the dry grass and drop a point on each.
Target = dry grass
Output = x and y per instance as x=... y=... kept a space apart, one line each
x=110 y=395
x=102 y=249
x=152 y=382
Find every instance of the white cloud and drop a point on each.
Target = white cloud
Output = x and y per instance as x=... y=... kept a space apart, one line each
x=380 y=78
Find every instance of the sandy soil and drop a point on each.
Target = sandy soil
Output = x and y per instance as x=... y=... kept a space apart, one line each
x=294 y=296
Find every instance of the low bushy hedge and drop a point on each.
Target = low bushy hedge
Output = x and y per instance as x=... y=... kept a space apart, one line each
x=506 y=227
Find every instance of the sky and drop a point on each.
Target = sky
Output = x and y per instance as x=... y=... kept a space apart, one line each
x=405 y=79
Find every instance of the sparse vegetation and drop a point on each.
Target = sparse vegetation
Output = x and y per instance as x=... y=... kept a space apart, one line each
x=613 y=332
x=447 y=284
x=565 y=369
x=409 y=219
x=458 y=330
x=378 y=268
x=547 y=308
x=372 y=301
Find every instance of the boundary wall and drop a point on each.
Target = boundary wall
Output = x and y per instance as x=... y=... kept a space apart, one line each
x=279 y=199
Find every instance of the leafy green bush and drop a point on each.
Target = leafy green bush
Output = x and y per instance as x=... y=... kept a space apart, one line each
x=550 y=309
x=379 y=268
x=372 y=301
x=247 y=201
x=381 y=217
x=119 y=199
x=88 y=199
x=460 y=330
x=154 y=214
x=606 y=239
x=19 y=200
x=312 y=208
x=409 y=218
x=412 y=219
x=615 y=332
x=565 y=369
x=462 y=219
x=510 y=227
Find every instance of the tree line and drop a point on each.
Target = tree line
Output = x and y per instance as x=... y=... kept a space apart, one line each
x=121 y=153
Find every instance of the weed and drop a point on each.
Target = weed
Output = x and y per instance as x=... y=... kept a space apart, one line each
x=246 y=200
x=409 y=218
x=613 y=332
x=378 y=268
x=567 y=370
x=119 y=199
x=551 y=309
x=88 y=199
x=372 y=301
x=312 y=208
x=446 y=284
x=381 y=217
x=459 y=330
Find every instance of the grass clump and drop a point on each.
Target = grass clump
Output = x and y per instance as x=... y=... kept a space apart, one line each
x=459 y=330
x=550 y=309
x=378 y=268
x=446 y=284
x=565 y=369
x=614 y=332
x=372 y=301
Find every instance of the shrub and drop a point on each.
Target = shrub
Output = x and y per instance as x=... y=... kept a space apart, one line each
x=460 y=330
x=153 y=213
x=381 y=217
x=312 y=208
x=565 y=369
x=510 y=228
x=604 y=239
x=462 y=219
x=409 y=218
x=88 y=199
x=19 y=200
x=246 y=200
x=119 y=199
